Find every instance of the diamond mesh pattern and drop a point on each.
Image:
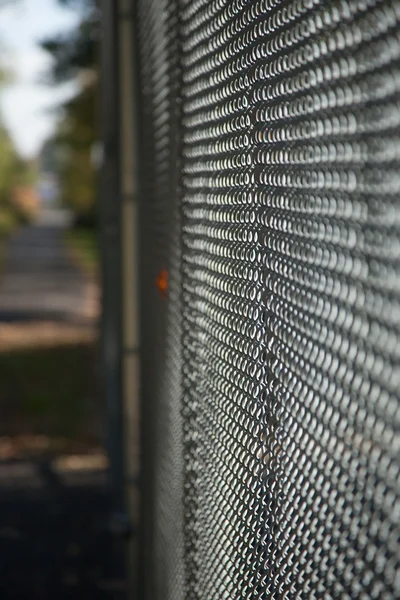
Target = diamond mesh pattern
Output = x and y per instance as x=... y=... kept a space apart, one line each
x=271 y=180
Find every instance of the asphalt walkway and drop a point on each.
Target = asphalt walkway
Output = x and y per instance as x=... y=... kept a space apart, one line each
x=39 y=279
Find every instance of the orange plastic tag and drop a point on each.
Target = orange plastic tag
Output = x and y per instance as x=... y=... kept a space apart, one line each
x=162 y=282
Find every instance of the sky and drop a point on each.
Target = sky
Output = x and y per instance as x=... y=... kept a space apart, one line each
x=27 y=105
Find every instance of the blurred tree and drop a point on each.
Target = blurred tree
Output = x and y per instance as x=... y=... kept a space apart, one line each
x=75 y=59
x=7 y=153
x=8 y=160
x=18 y=198
x=15 y=173
x=76 y=136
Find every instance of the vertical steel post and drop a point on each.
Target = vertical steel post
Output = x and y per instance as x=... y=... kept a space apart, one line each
x=130 y=274
x=110 y=244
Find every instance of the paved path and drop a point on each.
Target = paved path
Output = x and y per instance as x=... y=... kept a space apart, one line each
x=41 y=288
x=39 y=281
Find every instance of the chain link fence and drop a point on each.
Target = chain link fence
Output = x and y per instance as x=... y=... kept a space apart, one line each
x=269 y=181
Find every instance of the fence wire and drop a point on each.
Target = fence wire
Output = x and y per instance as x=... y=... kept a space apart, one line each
x=270 y=181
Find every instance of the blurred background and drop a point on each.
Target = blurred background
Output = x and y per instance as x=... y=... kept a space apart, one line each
x=54 y=498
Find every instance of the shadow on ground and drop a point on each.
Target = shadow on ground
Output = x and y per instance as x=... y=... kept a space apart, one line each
x=55 y=501
x=55 y=498
x=50 y=391
x=54 y=541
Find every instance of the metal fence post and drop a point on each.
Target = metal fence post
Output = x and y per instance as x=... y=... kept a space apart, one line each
x=130 y=337
x=110 y=244
x=119 y=241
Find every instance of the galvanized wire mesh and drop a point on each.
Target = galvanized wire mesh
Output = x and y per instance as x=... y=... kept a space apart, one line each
x=270 y=192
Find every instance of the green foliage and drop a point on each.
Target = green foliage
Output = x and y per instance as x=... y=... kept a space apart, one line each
x=46 y=399
x=8 y=158
x=7 y=222
x=76 y=136
x=25 y=172
x=14 y=171
x=74 y=58
x=73 y=53
x=84 y=247
x=15 y=174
